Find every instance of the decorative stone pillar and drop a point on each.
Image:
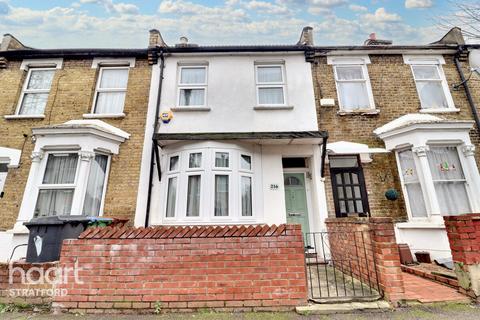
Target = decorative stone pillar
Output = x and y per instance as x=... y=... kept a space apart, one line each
x=29 y=200
x=82 y=180
x=472 y=175
x=430 y=196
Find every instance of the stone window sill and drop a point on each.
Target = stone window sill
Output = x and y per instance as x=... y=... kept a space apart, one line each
x=359 y=112
x=24 y=116
x=272 y=107
x=425 y=224
x=446 y=110
x=190 y=109
x=103 y=116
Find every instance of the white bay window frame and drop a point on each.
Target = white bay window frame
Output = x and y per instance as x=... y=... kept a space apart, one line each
x=259 y=85
x=192 y=86
x=434 y=61
x=352 y=61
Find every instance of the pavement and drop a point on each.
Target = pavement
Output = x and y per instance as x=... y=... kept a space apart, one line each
x=449 y=311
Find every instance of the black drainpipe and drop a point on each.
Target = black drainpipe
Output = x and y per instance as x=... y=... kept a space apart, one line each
x=464 y=82
x=154 y=145
x=324 y=154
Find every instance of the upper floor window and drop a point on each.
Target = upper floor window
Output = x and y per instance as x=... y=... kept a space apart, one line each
x=111 y=90
x=192 y=86
x=353 y=83
x=270 y=82
x=432 y=86
x=35 y=91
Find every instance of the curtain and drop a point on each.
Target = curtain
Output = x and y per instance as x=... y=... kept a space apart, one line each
x=412 y=184
x=95 y=186
x=193 y=76
x=221 y=195
x=431 y=94
x=192 y=97
x=246 y=162
x=246 y=196
x=193 y=196
x=110 y=102
x=33 y=103
x=449 y=180
x=171 y=197
x=114 y=79
x=61 y=169
x=40 y=79
x=270 y=95
x=54 y=202
x=269 y=74
x=195 y=160
x=352 y=88
x=221 y=160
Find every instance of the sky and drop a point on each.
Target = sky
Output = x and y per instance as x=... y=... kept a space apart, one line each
x=125 y=23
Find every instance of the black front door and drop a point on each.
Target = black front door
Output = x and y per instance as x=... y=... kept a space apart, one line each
x=348 y=184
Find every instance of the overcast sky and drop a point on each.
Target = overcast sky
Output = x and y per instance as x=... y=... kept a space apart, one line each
x=125 y=23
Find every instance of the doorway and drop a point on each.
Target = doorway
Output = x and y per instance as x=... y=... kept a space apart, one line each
x=296 y=199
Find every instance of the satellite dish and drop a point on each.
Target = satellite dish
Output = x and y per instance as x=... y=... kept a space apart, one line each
x=474 y=60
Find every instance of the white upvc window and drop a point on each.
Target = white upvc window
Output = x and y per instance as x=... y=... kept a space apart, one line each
x=208 y=185
x=353 y=83
x=270 y=84
x=111 y=90
x=445 y=170
x=431 y=84
x=58 y=186
x=3 y=176
x=35 y=91
x=192 y=86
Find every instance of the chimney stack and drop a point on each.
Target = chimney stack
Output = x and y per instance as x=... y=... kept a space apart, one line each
x=155 y=39
x=373 y=41
x=306 y=37
x=9 y=42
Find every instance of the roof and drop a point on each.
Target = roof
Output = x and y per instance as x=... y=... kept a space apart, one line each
x=84 y=124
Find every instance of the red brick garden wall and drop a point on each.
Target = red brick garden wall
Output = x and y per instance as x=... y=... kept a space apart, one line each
x=175 y=268
x=464 y=237
x=357 y=245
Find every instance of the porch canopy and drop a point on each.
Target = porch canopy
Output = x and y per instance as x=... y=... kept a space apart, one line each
x=280 y=138
x=349 y=148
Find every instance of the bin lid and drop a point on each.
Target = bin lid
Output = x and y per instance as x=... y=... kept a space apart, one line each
x=56 y=220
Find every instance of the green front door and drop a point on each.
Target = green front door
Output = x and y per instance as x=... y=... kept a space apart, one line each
x=296 y=200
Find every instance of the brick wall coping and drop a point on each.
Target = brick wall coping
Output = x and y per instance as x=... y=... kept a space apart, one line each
x=359 y=220
x=170 y=232
x=468 y=216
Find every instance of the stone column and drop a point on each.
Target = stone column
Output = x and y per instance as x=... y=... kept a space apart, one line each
x=472 y=175
x=31 y=192
x=82 y=180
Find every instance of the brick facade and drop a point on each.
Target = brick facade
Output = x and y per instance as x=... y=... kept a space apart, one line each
x=464 y=238
x=175 y=268
x=70 y=97
x=395 y=95
x=376 y=237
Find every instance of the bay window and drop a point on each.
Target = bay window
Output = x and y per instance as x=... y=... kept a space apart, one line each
x=208 y=184
x=192 y=86
x=3 y=176
x=411 y=183
x=36 y=89
x=431 y=84
x=111 y=90
x=270 y=81
x=95 y=185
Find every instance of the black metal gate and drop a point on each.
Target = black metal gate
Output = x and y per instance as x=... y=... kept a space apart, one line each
x=341 y=266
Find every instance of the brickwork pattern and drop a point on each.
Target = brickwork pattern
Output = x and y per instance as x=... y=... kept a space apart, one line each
x=70 y=97
x=14 y=286
x=199 y=267
x=395 y=95
x=376 y=237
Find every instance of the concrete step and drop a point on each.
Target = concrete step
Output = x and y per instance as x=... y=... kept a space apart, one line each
x=351 y=307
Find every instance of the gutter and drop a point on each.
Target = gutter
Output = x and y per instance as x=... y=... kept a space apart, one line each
x=154 y=156
x=464 y=83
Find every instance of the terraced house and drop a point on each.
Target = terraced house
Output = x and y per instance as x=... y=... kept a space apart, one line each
x=72 y=126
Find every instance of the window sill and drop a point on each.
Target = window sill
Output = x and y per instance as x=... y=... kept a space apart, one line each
x=24 y=116
x=272 y=107
x=364 y=112
x=190 y=109
x=448 y=110
x=424 y=224
x=104 y=115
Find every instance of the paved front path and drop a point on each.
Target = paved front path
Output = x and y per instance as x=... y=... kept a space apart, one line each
x=425 y=291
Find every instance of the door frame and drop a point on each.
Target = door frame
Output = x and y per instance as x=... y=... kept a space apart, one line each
x=361 y=180
x=308 y=191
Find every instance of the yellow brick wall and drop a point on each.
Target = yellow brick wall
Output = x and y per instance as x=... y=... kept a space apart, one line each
x=395 y=95
x=70 y=97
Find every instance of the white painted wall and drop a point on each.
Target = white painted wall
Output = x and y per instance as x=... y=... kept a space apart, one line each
x=431 y=238
x=231 y=95
x=8 y=241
